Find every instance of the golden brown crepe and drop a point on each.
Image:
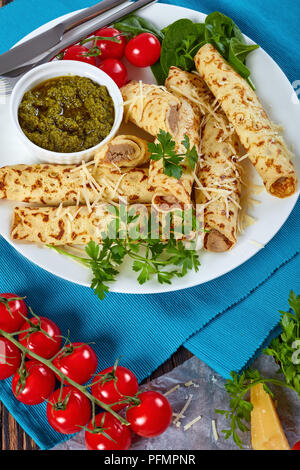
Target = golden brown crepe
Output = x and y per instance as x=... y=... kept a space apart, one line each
x=218 y=184
x=265 y=147
x=124 y=151
x=153 y=108
x=60 y=226
x=56 y=184
x=150 y=107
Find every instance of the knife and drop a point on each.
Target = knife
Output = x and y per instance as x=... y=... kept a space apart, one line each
x=43 y=42
x=78 y=35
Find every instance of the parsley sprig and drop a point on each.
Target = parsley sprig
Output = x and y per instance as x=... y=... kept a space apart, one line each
x=165 y=150
x=282 y=349
x=152 y=258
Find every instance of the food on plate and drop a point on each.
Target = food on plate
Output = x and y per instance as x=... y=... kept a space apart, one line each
x=171 y=192
x=61 y=226
x=151 y=108
x=68 y=410
x=79 y=53
x=112 y=47
x=67 y=114
x=13 y=312
x=266 y=429
x=33 y=383
x=265 y=147
x=111 y=435
x=143 y=50
x=116 y=70
x=52 y=185
x=154 y=109
x=124 y=151
x=78 y=361
x=218 y=182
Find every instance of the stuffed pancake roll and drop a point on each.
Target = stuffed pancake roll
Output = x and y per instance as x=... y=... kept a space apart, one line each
x=218 y=185
x=123 y=151
x=71 y=185
x=151 y=107
x=171 y=193
x=264 y=146
x=218 y=188
x=60 y=226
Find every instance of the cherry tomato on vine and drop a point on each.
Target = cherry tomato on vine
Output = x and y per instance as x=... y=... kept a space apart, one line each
x=39 y=383
x=143 y=50
x=11 y=312
x=45 y=345
x=152 y=416
x=78 y=53
x=10 y=358
x=119 y=436
x=78 y=361
x=112 y=384
x=68 y=410
x=111 y=49
x=296 y=446
x=116 y=70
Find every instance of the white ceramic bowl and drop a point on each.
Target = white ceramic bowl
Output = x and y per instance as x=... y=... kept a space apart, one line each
x=58 y=69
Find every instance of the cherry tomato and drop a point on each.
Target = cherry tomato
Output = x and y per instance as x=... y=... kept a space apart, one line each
x=78 y=53
x=296 y=446
x=111 y=49
x=114 y=386
x=39 y=384
x=143 y=50
x=116 y=70
x=11 y=318
x=113 y=428
x=78 y=362
x=69 y=410
x=10 y=358
x=39 y=343
x=152 y=417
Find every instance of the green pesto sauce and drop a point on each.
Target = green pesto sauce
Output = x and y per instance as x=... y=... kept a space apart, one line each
x=67 y=114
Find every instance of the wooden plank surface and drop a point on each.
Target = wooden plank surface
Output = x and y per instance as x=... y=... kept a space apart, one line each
x=12 y=436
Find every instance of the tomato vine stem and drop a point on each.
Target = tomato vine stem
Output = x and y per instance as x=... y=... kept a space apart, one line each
x=48 y=363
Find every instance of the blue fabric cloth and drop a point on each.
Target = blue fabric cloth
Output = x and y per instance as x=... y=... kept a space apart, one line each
x=224 y=322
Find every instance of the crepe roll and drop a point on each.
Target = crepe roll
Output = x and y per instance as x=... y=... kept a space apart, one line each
x=60 y=226
x=171 y=193
x=124 y=151
x=265 y=147
x=151 y=107
x=218 y=183
x=218 y=188
x=55 y=184
x=73 y=225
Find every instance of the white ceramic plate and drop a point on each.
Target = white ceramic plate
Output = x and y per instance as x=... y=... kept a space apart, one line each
x=280 y=101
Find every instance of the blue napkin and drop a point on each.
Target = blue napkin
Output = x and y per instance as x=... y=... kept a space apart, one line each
x=224 y=322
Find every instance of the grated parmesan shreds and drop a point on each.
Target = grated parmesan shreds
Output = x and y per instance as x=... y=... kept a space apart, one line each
x=254 y=242
x=59 y=210
x=78 y=168
x=180 y=414
x=214 y=430
x=191 y=423
x=171 y=390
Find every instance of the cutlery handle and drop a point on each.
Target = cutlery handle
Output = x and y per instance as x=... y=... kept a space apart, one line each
x=90 y=13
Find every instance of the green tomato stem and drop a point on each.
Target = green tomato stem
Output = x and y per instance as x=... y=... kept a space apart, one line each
x=48 y=363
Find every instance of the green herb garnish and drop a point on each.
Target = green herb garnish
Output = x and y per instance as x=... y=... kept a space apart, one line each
x=283 y=350
x=165 y=151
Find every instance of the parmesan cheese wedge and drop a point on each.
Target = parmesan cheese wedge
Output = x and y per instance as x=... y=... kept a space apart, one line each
x=266 y=429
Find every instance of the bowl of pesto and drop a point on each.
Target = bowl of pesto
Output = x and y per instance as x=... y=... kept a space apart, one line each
x=65 y=111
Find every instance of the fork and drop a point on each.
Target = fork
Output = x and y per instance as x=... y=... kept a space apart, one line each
x=8 y=80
